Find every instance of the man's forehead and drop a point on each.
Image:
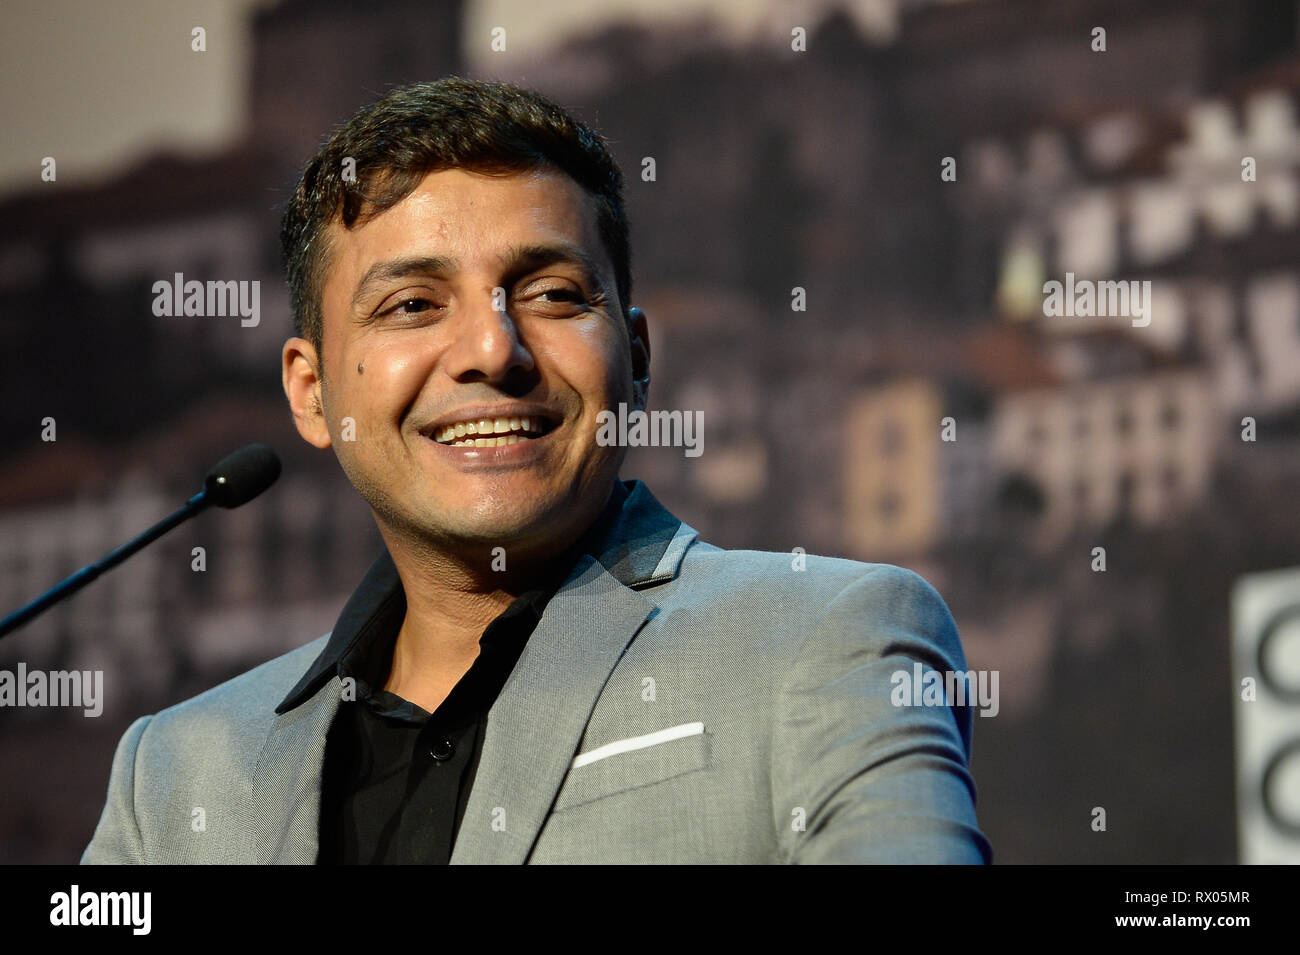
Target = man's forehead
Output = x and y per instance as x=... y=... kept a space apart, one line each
x=462 y=208
x=538 y=195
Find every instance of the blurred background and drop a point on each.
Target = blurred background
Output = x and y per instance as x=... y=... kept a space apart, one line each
x=918 y=169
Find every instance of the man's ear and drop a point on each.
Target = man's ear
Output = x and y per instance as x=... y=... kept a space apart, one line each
x=639 y=336
x=298 y=372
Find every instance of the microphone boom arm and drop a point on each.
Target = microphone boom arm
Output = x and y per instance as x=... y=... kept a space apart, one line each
x=235 y=480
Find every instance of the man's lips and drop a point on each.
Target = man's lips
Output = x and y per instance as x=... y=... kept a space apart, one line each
x=499 y=426
x=510 y=450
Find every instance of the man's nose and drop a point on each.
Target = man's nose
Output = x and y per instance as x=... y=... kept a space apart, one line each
x=487 y=345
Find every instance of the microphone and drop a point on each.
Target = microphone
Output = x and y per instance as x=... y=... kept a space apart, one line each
x=236 y=479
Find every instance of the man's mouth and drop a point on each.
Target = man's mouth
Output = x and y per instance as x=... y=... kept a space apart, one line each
x=492 y=432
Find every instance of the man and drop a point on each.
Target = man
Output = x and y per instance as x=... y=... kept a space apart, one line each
x=544 y=665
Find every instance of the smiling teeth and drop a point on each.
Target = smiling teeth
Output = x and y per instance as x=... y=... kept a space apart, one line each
x=489 y=442
x=479 y=434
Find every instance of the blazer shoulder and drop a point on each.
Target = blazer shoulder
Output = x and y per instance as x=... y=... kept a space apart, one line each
x=810 y=602
x=798 y=572
x=246 y=701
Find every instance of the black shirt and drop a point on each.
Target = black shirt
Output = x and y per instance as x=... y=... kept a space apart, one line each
x=396 y=778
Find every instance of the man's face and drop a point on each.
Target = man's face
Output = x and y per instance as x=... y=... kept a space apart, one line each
x=480 y=309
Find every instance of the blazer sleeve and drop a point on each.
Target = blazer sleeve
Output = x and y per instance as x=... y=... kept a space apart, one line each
x=117 y=839
x=857 y=779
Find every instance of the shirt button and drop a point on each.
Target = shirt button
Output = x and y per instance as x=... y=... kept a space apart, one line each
x=442 y=749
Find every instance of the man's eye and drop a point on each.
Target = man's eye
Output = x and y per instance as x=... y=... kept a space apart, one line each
x=562 y=295
x=413 y=305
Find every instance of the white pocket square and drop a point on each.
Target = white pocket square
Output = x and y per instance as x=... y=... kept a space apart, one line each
x=637 y=742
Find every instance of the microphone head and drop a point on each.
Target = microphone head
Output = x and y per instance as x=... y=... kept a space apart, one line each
x=240 y=477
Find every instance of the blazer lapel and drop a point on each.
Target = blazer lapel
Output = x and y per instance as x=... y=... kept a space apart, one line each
x=534 y=728
x=536 y=724
x=286 y=785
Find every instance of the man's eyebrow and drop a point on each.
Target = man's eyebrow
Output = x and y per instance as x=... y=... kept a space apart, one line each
x=516 y=258
x=522 y=257
x=386 y=271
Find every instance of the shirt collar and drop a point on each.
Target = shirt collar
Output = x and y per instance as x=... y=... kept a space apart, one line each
x=635 y=539
x=368 y=659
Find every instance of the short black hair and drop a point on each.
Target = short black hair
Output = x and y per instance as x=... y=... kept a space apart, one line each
x=454 y=122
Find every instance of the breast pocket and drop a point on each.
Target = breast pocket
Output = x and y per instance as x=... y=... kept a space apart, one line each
x=634 y=763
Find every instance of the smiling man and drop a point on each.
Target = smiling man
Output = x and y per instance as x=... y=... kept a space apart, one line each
x=475 y=333
x=543 y=665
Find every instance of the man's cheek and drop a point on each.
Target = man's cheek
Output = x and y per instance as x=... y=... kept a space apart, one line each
x=344 y=422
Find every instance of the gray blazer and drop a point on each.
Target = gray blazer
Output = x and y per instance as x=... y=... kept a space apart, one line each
x=676 y=703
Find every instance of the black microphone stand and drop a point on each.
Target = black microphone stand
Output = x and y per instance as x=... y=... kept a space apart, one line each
x=235 y=479
x=71 y=585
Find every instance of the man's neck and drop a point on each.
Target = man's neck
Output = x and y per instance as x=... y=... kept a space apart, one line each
x=450 y=600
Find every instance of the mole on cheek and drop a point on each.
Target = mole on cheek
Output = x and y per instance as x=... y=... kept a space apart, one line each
x=361 y=368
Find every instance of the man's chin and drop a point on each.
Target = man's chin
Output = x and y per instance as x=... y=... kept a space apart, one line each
x=518 y=532
x=527 y=527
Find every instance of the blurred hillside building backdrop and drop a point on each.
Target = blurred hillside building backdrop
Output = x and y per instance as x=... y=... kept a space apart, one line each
x=824 y=428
